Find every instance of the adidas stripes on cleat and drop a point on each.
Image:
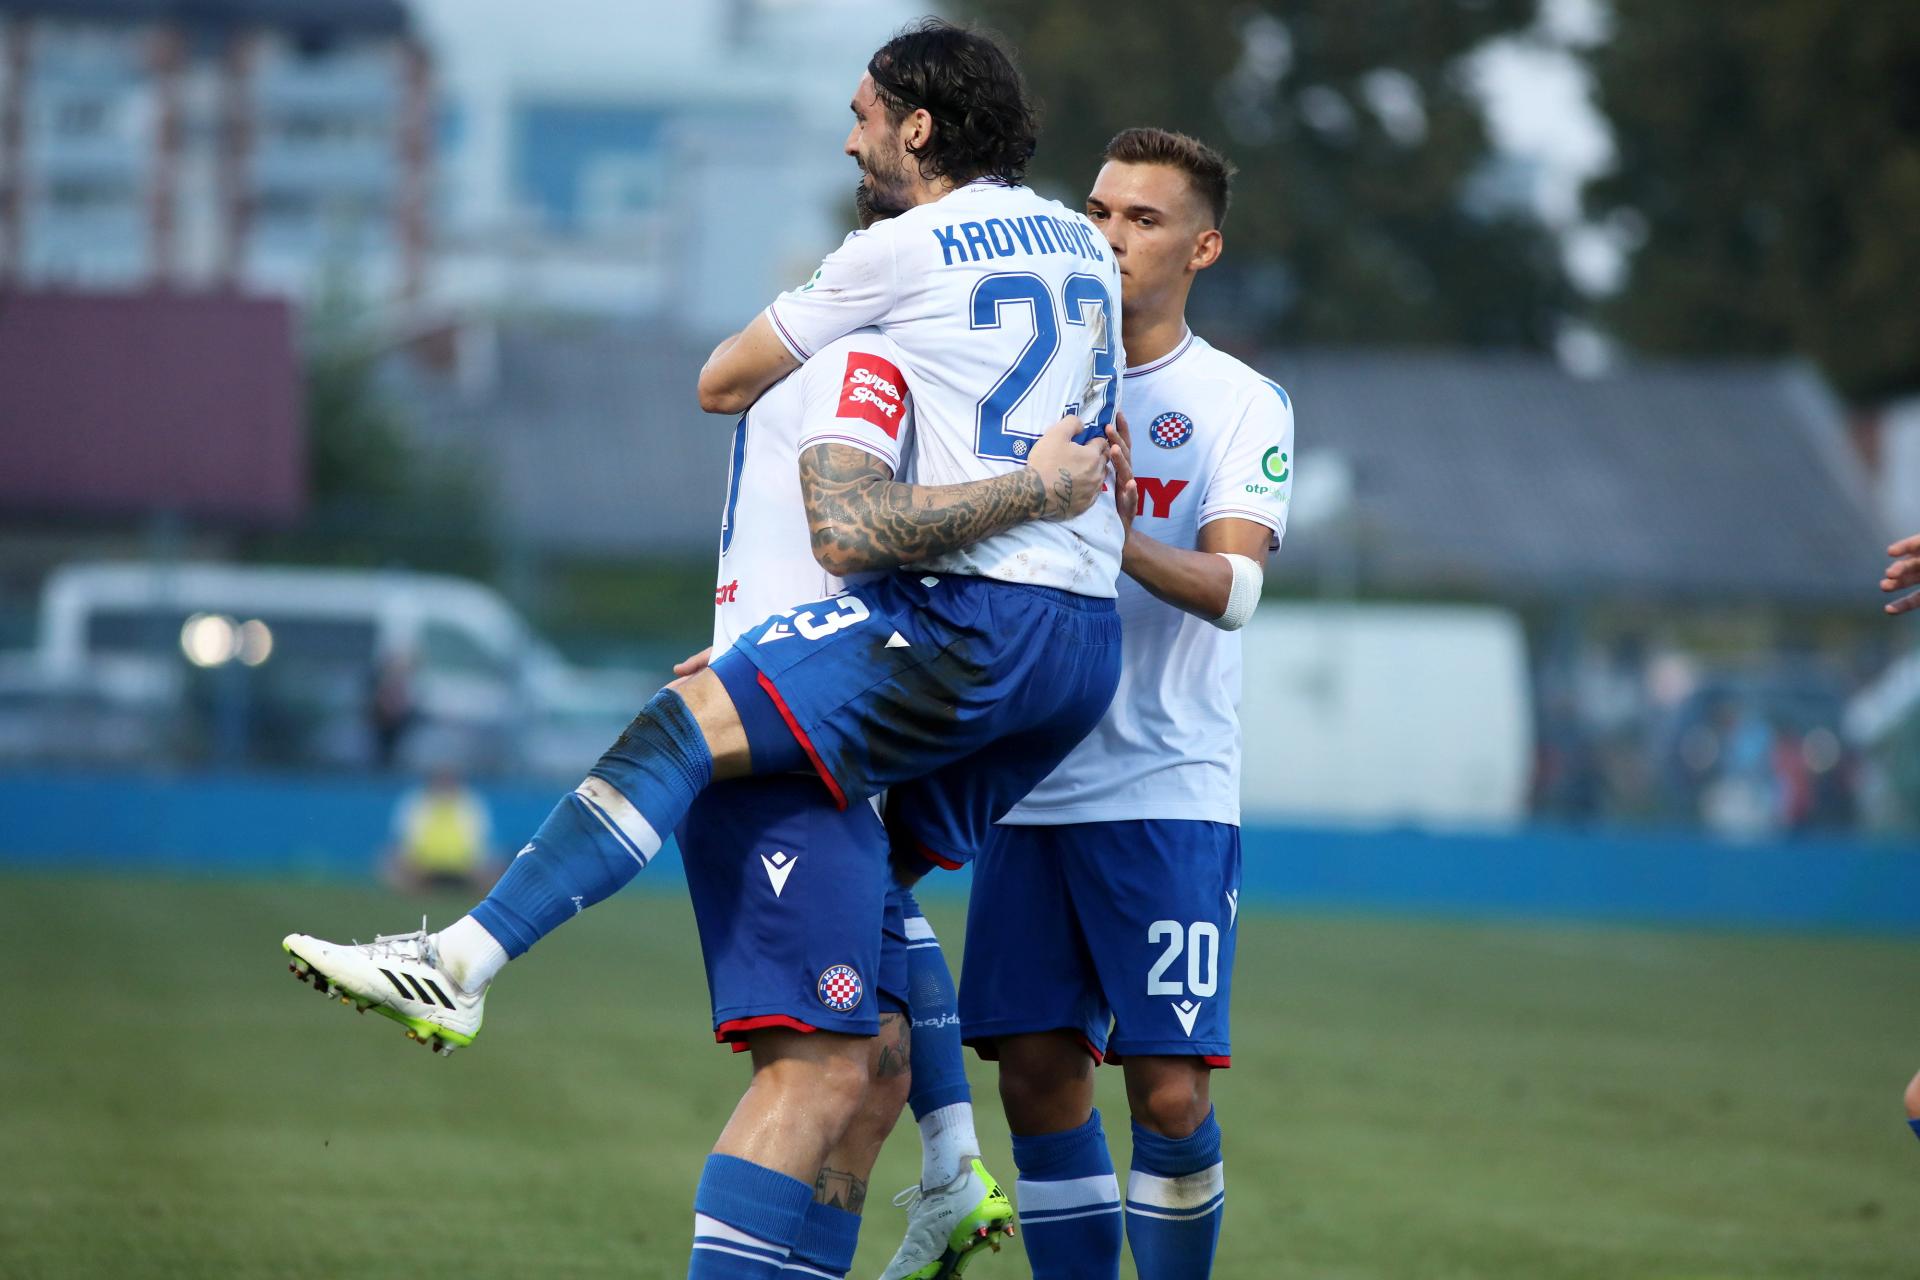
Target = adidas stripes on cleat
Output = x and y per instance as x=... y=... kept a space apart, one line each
x=948 y=1226
x=398 y=976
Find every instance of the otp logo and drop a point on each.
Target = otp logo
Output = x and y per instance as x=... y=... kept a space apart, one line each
x=873 y=390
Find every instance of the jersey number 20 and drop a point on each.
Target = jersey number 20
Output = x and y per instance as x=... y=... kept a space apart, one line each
x=1080 y=297
x=1202 y=941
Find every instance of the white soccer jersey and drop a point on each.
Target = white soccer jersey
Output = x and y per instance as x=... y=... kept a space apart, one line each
x=852 y=392
x=1212 y=440
x=1003 y=306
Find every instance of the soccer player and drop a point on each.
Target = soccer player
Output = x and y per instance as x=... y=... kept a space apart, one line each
x=1110 y=895
x=957 y=683
x=788 y=890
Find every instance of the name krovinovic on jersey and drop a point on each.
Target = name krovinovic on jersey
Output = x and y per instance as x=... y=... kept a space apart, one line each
x=1009 y=237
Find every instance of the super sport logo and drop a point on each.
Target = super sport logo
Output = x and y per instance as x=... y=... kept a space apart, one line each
x=873 y=391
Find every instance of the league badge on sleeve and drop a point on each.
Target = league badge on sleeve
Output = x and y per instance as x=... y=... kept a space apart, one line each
x=840 y=988
x=1170 y=430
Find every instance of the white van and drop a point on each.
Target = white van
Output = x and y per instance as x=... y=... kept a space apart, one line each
x=132 y=638
x=1386 y=714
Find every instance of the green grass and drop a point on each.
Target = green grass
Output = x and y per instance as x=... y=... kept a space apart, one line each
x=1412 y=1100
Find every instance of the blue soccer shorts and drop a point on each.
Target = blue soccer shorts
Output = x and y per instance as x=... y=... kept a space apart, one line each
x=1122 y=932
x=791 y=896
x=958 y=693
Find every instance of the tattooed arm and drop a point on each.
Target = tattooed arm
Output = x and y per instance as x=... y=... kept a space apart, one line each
x=863 y=520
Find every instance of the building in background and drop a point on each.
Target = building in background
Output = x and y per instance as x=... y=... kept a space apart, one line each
x=219 y=144
x=631 y=158
x=645 y=158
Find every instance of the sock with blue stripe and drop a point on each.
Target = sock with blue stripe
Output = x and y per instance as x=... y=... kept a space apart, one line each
x=746 y=1218
x=600 y=836
x=940 y=1098
x=1176 y=1194
x=825 y=1248
x=1069 y=1203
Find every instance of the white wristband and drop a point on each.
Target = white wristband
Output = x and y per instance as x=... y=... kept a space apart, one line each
x=1244 y=594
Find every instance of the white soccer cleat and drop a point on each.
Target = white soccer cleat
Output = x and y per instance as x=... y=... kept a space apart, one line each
x=398 y=975
x=946 y=1227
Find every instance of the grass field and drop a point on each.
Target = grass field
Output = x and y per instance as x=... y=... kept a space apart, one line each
x=1412 y=1100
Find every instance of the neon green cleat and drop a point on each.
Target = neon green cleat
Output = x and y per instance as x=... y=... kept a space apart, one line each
x=947 y=1227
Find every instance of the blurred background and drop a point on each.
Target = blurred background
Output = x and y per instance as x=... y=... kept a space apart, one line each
x=347 y=353
x=353 y=493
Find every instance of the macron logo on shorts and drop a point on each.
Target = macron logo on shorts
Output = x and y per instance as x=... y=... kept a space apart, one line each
x=779 y=867
x=873 y=390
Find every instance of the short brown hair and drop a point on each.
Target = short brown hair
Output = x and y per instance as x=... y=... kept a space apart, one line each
x=1210 y=172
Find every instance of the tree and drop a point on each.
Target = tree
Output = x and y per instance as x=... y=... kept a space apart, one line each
x=357 y=445
x=1769 y=156
x=1360 y=147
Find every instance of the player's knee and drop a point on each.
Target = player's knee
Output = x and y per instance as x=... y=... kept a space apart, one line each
x=1170 y=1100
x=1913 y=1097
x=831 y=1085
x=842 y=1080
x=1047 y=1091
x=834 y=1090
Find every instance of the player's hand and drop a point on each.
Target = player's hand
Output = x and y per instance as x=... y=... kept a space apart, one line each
x=1126 y=492
x=692 y=665
x=1071 y=472
x=1902 y=573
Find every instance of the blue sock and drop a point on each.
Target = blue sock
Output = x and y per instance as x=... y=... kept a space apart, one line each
x=1176 y=1194
x=1916 y=1127
x=1069 y=1203
x=939 y=1072
x=826 y=1244
x=600 y=837
x=746 y=1218
x=942 y=1103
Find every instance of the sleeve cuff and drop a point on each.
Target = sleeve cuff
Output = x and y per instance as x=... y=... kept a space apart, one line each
x=865 y=446
x=1257 y=516
x=1254 y=514
x=787 y=339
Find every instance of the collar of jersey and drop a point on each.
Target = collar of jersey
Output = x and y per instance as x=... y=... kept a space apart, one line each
x=1164 y=360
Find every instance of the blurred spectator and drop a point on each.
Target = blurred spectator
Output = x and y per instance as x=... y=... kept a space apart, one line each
x=390 y=709
x=442 y=838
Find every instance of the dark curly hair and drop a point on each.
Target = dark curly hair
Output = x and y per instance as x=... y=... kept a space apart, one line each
x=983 y=125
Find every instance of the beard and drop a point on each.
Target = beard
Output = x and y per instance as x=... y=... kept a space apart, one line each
x=884 y=184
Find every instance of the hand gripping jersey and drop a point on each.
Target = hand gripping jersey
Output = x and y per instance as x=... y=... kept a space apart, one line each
x=852 y=392
x=1004 y=308
x=1212 y=440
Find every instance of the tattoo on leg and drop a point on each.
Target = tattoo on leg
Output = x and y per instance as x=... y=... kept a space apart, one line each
x=896 y=1047
x=840 y=1189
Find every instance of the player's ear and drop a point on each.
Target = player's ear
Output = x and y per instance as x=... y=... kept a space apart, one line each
x=919 y=129
x=1206 y=249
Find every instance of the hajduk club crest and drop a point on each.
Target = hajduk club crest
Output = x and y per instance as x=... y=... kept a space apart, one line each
x=840 y=988
x=1170 y=430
